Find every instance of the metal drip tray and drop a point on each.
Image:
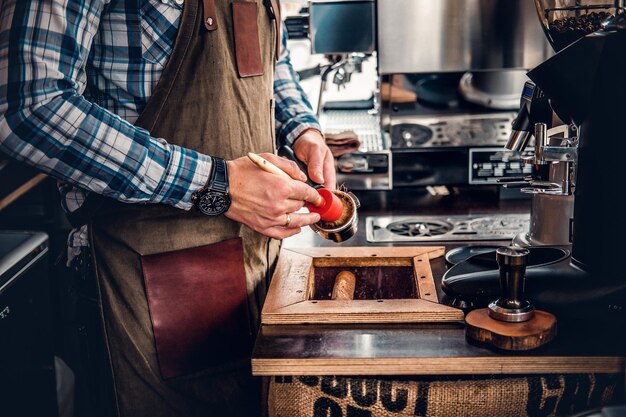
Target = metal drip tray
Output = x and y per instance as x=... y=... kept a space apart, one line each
x=411 y=132
x=445 y=228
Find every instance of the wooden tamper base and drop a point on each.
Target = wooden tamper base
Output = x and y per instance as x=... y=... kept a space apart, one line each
x=526 y=335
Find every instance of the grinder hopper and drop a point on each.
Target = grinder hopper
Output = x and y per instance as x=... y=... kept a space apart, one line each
x=566 y=21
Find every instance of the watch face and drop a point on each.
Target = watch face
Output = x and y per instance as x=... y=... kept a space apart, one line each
x=213 y=203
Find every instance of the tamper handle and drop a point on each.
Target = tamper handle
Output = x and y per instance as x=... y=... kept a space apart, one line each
x=512 y=263
x=511 y=306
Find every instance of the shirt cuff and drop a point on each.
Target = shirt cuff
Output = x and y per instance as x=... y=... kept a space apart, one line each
x=187 y=172
x=299 y=129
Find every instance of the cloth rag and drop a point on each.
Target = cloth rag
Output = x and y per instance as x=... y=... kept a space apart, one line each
x=342 y=143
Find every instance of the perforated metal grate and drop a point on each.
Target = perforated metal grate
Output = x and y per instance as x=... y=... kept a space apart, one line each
x=445 y=228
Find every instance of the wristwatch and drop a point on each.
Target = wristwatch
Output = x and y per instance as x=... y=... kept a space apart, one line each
x=213 y=199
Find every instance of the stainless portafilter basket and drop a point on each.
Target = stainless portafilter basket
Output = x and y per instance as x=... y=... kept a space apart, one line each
x=347 y=225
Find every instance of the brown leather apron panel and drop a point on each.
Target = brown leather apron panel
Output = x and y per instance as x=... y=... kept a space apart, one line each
x=247 y=51
x=200 y=103
x=198 y=300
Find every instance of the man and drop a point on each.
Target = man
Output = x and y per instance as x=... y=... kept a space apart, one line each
x=156 y=103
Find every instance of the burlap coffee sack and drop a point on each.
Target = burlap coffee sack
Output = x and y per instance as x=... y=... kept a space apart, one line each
x=463 y=396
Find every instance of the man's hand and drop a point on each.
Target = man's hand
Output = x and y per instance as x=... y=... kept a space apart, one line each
x=266 y=202
x=310 y=148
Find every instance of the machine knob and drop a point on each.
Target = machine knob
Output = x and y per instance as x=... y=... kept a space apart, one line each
x=511 y=306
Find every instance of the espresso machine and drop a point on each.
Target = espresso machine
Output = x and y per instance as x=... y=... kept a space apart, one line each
x=585 y=86
x=447 y=106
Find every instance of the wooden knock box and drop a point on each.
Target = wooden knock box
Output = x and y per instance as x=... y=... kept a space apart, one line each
x=392 y=285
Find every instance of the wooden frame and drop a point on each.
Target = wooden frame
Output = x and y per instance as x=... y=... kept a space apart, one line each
x=289 y=296
x=451 y=365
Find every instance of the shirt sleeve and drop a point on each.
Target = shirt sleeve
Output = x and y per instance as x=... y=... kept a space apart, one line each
x=46 y=122
x=294 y=113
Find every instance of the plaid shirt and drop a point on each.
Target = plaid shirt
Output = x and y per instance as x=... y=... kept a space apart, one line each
x=74 y=77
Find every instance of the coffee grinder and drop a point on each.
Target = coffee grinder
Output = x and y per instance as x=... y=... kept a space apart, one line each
x=585 y=83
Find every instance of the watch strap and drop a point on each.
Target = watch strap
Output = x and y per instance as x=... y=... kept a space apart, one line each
x=219 y=176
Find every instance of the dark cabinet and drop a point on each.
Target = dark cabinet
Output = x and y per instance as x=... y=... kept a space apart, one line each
x=27 y=376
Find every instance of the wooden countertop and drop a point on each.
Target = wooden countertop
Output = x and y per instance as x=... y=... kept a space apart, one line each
x=426 y=349
x=421 y=350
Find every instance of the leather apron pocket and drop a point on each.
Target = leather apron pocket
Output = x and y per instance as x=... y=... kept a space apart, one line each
x=198 y=307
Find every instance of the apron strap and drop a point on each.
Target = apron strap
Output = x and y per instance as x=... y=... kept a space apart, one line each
x=274 y=12
x=210 y=15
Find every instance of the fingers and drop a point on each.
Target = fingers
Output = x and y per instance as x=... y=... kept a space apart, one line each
x=313 y=156
x=294 y=193
x=284 y=229
x=315 y=167
x=289 y=167
x=289 y=206
x=261 y=200
x=330 y=179
x=287 y=220
x=302 y=192
x=311 y=148
x=299 y=220
x=286 y=195
x=321 y=167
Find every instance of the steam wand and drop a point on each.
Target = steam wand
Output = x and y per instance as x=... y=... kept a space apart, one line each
x=345 y=66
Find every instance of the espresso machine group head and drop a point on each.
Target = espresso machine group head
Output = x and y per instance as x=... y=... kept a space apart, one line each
x=584 y=81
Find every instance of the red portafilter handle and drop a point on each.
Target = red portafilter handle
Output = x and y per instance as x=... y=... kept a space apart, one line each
x=331 y=207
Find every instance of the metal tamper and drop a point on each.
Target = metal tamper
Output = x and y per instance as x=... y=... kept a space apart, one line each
x=511 y=306
x=511 y=322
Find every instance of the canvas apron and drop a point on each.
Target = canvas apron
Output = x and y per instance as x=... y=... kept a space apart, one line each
x=180 y=292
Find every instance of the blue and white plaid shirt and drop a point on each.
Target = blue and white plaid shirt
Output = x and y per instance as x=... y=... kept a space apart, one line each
x=74 y=77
